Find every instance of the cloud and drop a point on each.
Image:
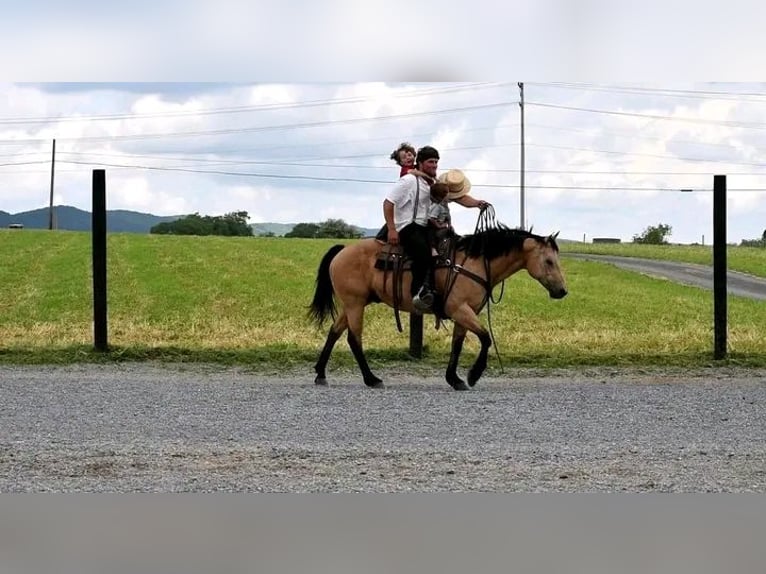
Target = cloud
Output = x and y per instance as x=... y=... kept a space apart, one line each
x=307 y=152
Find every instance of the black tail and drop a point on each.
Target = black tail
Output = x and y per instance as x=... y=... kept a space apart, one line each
x=323 y=303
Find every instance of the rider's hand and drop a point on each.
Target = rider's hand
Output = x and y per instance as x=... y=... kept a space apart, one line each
x=393 y=237
x=483 y=205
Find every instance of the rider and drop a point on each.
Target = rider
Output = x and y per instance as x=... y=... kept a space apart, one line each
x=405 y=210
x=404 y=156
x=459 y=184
x=459 y=187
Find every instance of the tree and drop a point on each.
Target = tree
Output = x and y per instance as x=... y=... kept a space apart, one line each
x=333 y=228
x=231 y=224
x=339 y=229
x=234 y=223
x=654 y=235
x=303 y=230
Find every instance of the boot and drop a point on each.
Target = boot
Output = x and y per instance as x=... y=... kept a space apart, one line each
x=424 y=299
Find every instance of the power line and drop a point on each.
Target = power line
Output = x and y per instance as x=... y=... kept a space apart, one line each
x=388 y=182
x=466 y=170
x=266 y=128
x=629 y=136
x=247 y=174
x=747 y=125
x=23 y=163
x=252 y=108
x=282 y=162
x=667 y=92
x=653 y=155
x=322 y=144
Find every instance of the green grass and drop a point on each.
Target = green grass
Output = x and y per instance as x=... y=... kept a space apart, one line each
x=750 y=260
x=243 y=301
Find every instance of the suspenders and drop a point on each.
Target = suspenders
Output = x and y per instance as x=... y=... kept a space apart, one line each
x=417 y=197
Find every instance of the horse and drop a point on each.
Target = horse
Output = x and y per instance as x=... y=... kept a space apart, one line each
x=487 y=257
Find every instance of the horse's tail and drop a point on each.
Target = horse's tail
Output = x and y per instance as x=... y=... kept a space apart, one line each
x=323 y=303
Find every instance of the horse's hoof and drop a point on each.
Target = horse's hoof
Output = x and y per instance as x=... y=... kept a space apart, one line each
x=320 y=382
x=375 y=383
x=459 y=385
x=473 y=378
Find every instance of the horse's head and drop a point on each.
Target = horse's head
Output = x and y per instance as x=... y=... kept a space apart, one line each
x=542 y=263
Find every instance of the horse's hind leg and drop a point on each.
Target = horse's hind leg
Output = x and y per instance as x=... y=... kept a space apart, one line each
x=355 y=316
x=340 y=325
x=465 y=318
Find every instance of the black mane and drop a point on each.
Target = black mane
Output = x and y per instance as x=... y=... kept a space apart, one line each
x=499 y=240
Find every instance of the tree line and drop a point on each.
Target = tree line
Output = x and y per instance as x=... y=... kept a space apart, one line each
x=231 y=224
x=658 y=234
x=236 y=224
x=755 y=242
x=336 y=228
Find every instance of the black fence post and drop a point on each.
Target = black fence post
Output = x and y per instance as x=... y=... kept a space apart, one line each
x=719 y=266
x=416 y=335
x=98 y=232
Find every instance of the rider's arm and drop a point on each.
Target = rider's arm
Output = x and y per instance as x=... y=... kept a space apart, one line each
x=399 y=194
x=468 y=201
x=388 y=213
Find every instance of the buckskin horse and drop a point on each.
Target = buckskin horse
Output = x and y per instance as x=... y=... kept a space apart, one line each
x=478 y=263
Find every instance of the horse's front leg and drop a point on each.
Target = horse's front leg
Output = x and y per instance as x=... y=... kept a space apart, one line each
x=467 y=319
x=458 y=336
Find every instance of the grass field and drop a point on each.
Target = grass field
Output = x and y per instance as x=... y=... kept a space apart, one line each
x=243 y=301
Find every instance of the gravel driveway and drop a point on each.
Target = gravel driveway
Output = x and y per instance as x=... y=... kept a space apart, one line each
x=147 y=427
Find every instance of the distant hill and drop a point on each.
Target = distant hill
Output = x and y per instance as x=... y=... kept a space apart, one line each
x=74 y=219
x=277 y=229
x=369 y=231
x=122 y=221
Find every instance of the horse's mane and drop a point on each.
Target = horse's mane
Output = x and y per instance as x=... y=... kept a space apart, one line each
x=499 y=240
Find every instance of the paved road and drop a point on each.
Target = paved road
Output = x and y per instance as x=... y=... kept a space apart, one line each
x=687 y=273
x=139 y=427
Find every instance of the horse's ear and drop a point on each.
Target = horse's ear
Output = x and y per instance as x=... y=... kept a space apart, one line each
x=555 y=235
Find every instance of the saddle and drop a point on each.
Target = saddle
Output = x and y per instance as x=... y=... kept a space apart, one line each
x=393 y=259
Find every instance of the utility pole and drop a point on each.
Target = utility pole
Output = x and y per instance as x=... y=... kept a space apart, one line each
x=521 y=187
x=53 y=171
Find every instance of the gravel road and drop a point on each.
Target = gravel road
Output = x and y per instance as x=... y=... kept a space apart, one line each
x=148 y=427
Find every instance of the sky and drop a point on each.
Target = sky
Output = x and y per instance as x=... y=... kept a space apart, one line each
x=289 y=110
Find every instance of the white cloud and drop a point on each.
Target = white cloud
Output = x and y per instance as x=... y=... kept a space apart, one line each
x=565 y=150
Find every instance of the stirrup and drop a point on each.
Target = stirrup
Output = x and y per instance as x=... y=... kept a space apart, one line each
x=423 y=301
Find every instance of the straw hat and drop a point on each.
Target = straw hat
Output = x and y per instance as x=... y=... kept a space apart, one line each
x=457 y=182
